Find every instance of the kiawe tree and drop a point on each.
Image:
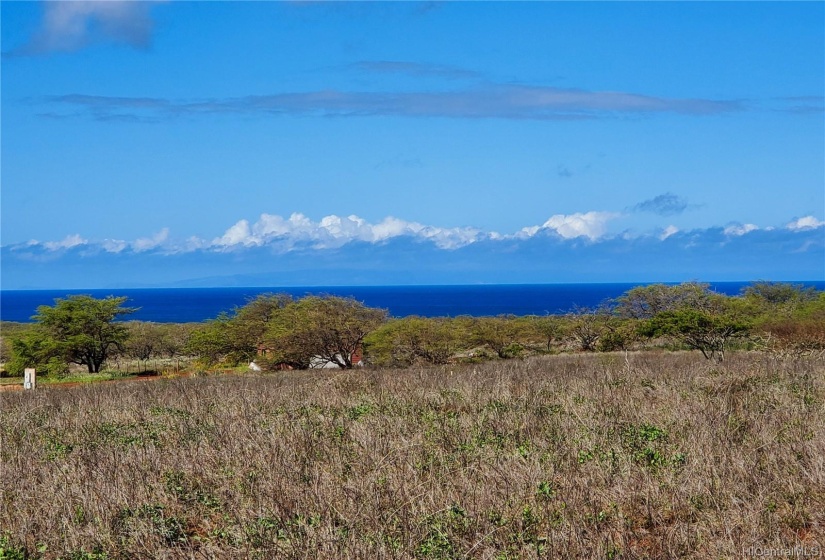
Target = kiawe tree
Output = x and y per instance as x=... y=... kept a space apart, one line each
x=645 y=302
x=709 y=329
x=402 y=342
x=79 y=329
x=234 y=338
x=501 y=334
x=319 y=329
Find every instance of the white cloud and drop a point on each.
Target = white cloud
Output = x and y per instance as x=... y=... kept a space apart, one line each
x=72 y=25
x=393 y=227
x=592 y=225
x=740 y=229
x=452 y=238
x=114 y=245
x=528 y=231
x=193 y=244
x=806 y=222
x=668 y=231
x=335 y=231
x=147 y=243
x=67 y=243
x=237 y=234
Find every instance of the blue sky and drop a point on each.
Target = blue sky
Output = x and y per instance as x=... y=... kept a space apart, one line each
x=217 y=143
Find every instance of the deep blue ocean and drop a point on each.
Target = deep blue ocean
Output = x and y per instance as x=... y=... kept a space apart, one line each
x=180 y=305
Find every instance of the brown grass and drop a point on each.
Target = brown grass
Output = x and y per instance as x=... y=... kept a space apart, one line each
x=662 y=456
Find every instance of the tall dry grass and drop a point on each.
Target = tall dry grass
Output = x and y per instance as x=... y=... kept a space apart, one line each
x=657 y=456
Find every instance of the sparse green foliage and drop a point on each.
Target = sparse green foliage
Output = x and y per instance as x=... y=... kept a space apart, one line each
x=211 y=342
x=545 y=490
x=249 y=324
x=79 y=329
x=9 y=551
x=618 y=334
x=645 y=302
x=501 y=334
x=548 y=329
x=402 y=342
x=586 y=326
x=236 y=338
x=708 y=330
x=327 y=329
x=777 y=295
x=144 y=340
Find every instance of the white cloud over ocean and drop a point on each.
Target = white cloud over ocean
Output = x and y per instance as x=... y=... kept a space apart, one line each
x=806 y=222
x=66 y=243
x=336 y=250
x=333 y=232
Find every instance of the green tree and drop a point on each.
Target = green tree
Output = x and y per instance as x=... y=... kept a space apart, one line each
x=501 y=334
x=768 y=302
x=235 y=338
x=79 y=329
x=618 y=334
x=546 y=330
x=210 y=342
x=325 y=329
x=402 y=342
x=9 y=331
x=780 y=293
x=144 y=340
x=32 y=348
x=173 y=338
x=708 y=330
x=248 y=325
x=644 y=302
x=587 y=326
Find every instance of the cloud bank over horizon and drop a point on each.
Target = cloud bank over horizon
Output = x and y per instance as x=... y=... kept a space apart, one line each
x=332 y=232
x=349 y=251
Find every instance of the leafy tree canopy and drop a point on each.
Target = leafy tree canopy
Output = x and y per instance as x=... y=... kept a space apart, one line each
x=402 y=342
x=320 y=329
x=709 y=329
x=644 y=302
x=79 y=329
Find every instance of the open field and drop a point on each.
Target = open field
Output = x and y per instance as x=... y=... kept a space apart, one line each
x=662 y=455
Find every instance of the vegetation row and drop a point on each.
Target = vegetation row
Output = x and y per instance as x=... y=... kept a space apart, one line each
x=280 y=332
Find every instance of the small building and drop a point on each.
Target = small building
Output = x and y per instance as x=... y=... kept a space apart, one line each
x=316 y=362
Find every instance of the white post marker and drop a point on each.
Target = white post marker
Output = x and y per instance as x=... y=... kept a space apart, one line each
x=29 y=379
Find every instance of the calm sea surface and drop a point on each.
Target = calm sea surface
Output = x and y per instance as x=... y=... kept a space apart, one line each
x=178 y=305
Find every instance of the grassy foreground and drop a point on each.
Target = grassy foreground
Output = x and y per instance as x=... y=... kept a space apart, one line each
x=662 y=455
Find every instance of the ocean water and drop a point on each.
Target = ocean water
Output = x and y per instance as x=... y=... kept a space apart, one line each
x=179 y=305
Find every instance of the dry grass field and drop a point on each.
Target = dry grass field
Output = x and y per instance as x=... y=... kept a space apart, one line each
x=664 y=455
